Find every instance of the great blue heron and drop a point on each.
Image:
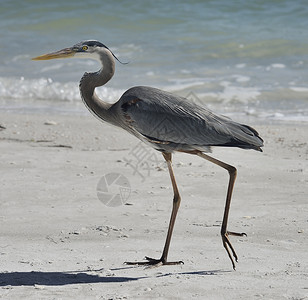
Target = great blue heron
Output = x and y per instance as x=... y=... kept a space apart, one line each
x=168 y=123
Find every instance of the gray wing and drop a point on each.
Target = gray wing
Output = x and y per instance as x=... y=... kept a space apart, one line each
x=172 y=122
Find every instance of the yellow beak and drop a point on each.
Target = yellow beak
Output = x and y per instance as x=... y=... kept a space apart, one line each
x=64 y=53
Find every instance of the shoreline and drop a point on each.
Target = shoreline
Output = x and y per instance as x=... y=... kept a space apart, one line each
x=59 y=239
x=240 y=113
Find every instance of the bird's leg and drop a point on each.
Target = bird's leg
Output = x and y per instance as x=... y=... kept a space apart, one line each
x=151 y=262
x=224 y=233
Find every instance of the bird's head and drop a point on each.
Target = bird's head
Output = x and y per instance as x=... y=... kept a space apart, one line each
x=86 y=49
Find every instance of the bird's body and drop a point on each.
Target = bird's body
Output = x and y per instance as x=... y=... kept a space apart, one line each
x=167 y=122
x=172 y=123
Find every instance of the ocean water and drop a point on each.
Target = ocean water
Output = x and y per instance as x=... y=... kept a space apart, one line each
x=242 y=58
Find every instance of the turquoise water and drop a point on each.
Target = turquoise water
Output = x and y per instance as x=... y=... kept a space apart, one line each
x=246 y=58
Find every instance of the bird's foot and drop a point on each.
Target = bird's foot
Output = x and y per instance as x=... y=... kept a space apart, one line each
x=154 y=263
x=236 y=233
x=228 y=246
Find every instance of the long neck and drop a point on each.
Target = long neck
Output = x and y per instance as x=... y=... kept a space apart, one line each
x=90 y=81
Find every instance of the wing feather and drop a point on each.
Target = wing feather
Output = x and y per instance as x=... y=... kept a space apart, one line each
x=166 y=118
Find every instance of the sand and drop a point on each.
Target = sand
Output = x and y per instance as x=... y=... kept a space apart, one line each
x=59 y=241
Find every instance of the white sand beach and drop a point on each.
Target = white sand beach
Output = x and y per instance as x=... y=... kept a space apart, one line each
x=58 y=241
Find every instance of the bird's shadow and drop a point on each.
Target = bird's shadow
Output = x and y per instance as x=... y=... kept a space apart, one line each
x=77 y=277
x=57 y=278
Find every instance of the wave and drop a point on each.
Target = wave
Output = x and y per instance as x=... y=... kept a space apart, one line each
x=47 y=89
x=227 y=97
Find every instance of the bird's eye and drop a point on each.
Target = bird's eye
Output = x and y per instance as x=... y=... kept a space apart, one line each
x=84 y=48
